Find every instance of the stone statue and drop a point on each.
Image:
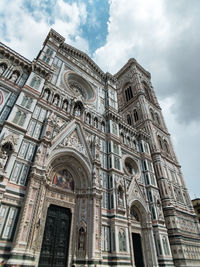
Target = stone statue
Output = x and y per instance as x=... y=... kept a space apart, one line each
x=14 y=77
x=3 y=159
x=97 y=147
x=55 y=100
x=81 y=239
x=2 y=68
x=65 y=105
x=77 y=111
x=46 y=95
x=120 y=196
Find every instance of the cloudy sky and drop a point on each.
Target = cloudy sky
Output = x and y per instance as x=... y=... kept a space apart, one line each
x=162 y=35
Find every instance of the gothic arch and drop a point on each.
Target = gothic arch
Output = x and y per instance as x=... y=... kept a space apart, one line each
x=75 y=162
x=143 y=213
x=147 y=90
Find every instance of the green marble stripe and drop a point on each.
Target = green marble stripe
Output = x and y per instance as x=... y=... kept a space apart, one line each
x=22 y=257
x=107 y=263
x=116 y=258
x=114 y=216
x=15 y=193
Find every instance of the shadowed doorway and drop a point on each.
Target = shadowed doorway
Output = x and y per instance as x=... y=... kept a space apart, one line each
x=55 y=245
x=137 y=248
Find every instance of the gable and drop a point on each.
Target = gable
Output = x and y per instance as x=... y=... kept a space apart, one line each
x=135 y=193
x=72 y=136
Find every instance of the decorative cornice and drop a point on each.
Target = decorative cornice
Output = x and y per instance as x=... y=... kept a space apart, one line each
x=120 y=120
x=77 y=53
x=11 y=54
x=41 y=68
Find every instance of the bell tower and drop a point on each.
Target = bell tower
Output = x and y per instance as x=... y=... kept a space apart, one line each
x=139 y=106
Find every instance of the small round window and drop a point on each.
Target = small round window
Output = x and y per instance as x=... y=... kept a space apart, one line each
x=130 y=166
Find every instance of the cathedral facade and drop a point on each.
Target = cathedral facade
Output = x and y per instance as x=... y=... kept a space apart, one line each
x=88 y=174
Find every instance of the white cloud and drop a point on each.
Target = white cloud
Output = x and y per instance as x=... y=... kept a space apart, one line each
x=164 y=38
x=186 y=142
x=20 y=27
x=162 y=35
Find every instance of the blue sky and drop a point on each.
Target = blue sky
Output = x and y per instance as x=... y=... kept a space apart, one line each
x=163 y=35
x=93 y=28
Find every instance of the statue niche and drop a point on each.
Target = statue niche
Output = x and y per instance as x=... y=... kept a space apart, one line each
x=81 y=239
x=63 y=179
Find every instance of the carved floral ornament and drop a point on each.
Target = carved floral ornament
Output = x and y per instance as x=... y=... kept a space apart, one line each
x=78 y=86
x=10 y=138
x=73 y=142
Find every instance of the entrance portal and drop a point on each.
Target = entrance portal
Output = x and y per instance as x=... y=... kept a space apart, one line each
x=137 y=248
x=55 y=245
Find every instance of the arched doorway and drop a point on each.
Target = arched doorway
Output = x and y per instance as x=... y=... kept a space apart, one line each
x=66 y=208
x=136 y=235
x=142 y=247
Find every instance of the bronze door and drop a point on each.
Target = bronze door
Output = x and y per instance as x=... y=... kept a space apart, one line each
x=55 y=245
x=137 y=248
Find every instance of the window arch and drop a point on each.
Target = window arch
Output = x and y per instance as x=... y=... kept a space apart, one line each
x=135 y=114
x=129 y=120
x=95 y=122
x=152 y=114
x=103 y=126
x=128 y=141
x=65 y=104
x=78 y=109
x=153 y=213
x=147 y=179
x=160 y=142
x=46 y=94
x=166 y=146
x=88 y=118
x=56 y=99
x=146 y=90
x=134 y=213
x=128 y=93
x=150 y=196
x=157 y=118
x=3 y=67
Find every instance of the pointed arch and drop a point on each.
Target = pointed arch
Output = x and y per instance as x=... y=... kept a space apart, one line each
x=135 y=114
x=129 y=120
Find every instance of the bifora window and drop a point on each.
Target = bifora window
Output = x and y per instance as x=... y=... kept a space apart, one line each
x=129 y=121
x=106 y=238
x=19 y=173
x=26 y=102
x=19 y=118
x=8 y=215
x=128 y=93
x=122 y=240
